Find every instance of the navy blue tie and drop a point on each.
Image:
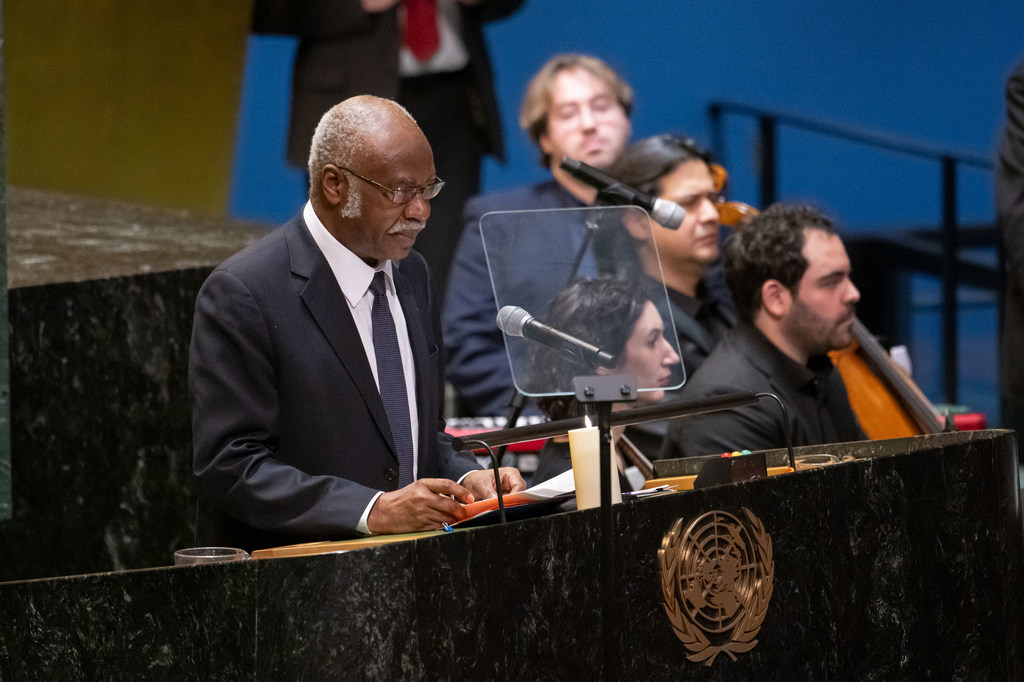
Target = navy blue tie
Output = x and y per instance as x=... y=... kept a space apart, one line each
x=390 y=377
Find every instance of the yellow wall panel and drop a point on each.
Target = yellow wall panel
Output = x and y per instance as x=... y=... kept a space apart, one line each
x=128 y=99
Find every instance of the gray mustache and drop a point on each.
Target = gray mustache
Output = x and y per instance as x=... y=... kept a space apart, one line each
x=407 y=227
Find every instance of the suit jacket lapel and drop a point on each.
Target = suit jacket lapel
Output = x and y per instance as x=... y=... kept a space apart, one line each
x=325 y=302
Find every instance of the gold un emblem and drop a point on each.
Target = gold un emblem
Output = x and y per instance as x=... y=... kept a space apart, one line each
x=716 y=576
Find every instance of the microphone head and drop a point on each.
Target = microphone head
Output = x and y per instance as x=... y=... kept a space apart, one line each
x=668 y=214
x=570 y=165
x=511 y=320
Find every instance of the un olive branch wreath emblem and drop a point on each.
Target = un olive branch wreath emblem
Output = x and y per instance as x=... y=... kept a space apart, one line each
x=717 y=579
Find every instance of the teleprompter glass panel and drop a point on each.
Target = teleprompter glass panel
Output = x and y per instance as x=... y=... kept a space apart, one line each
x=574 y=300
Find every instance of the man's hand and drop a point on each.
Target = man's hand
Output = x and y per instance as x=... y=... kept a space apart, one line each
x=481 y=483
x=421 y=505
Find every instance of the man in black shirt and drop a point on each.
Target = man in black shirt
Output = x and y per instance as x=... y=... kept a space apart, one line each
x=684 y=262
x=790 y=279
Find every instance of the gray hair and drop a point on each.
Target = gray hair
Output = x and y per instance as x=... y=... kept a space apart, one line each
x=341 y=134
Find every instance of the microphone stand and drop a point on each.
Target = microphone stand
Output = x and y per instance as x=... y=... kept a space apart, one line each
x=637 y=415
x=515 y=410
x=497 y=476
x=600 y=392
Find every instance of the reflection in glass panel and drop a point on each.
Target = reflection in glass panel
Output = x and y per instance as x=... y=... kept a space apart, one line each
x=574 y=301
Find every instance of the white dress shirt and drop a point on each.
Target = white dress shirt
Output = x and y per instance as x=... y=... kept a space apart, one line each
x=354 y=277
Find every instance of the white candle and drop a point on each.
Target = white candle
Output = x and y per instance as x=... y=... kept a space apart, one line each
x=585 y=450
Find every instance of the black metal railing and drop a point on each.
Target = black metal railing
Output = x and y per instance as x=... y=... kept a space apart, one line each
x=948 y=267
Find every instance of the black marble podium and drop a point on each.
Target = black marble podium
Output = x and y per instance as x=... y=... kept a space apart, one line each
x=903 y=564
x=100 y=305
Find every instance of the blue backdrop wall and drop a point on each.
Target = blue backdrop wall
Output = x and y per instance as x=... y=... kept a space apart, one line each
x=932 y=72
x=928 y=71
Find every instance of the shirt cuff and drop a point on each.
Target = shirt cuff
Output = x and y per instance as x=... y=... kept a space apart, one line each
x=361 y=526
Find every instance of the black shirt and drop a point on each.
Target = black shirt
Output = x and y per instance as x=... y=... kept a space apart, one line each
x=745 y=361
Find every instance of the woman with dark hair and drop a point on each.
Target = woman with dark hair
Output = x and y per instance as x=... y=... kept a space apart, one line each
x=673 y=168
x=617 y=316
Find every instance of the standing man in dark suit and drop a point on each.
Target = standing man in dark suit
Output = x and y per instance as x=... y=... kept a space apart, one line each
x=1010 y=213
x=790 y=278
x=575 y=106
x=316 y=361
x=429 y=55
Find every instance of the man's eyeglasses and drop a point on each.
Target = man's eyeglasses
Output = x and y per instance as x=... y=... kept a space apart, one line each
x=402 y=195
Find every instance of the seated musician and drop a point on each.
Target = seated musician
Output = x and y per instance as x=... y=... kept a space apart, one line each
x=670 y=167
x=699 y=306
x=790 y=278
x=618 y=317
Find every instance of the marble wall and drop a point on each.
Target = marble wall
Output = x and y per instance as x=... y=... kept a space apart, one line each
x=891 y=567
x=100 y=312
x=100 y=434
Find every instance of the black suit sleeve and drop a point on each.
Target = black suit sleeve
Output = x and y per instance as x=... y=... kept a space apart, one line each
x=1010 y=216
x=309 y=19
x=1010 y=177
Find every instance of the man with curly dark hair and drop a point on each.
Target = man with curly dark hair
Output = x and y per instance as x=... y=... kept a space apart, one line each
x=790 y=279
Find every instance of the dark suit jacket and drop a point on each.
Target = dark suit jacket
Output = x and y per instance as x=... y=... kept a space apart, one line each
x=1010 y=212
x=343 y=52
x=745 y=361
x=477 y=363
x=291 y=437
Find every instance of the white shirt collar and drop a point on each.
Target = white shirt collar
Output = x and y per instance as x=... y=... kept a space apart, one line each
x=353 y=275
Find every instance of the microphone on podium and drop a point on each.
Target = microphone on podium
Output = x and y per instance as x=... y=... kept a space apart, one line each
x=515 y=321
x=666 y=213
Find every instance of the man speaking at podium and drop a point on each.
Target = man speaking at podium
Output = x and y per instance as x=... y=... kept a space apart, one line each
x=790 y=278
x=316 y=362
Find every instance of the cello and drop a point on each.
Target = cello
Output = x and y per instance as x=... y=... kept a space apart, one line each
x=887 y=402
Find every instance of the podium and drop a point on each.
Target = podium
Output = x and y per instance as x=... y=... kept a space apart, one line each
x=905 y=563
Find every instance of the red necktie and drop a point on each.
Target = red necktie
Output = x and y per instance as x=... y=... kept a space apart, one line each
x=421 y=35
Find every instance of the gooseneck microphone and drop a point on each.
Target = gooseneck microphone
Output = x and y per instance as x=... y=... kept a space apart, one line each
x=665 y=213
x=515 y=321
